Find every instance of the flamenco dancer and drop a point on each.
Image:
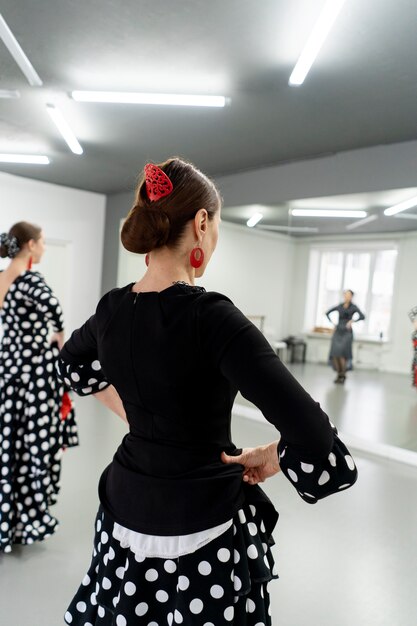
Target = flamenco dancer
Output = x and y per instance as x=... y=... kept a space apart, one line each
x=342 y=340
x=36 y=418
x=413 y=317
x=183 y=532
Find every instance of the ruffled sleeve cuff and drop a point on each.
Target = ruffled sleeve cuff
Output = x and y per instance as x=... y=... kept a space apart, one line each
x=320 y=479
x=85 y=379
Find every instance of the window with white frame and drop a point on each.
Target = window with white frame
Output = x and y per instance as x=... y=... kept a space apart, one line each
x=369 y=274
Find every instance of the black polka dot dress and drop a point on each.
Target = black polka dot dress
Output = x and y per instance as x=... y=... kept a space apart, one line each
x=34 y=428
x=166 y=477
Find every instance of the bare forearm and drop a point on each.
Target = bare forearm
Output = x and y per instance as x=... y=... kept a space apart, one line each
x=111 y=399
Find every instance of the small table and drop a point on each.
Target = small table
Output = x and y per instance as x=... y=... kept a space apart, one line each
x=297 y=343
x=279 y=347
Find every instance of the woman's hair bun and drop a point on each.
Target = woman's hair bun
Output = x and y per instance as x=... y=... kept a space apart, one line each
x=145 y=229
x=157 y=222
x=4 y=251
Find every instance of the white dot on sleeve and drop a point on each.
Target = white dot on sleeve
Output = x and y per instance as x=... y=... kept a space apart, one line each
x=324 y=478
x=307 y=467
x=332 y=459
x=350 y=462
x=293 y=475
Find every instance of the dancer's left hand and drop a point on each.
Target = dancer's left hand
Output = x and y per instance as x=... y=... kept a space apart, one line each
x=58 y=338
x=260 y=463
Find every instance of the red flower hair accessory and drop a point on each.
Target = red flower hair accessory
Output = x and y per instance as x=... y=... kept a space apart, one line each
x=158 y=184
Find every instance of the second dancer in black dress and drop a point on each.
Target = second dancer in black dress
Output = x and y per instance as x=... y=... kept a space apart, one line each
x=342 y=340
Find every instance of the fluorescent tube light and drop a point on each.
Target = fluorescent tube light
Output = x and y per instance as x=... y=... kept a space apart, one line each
x=9 y=93
x=314 y=43
x=17 y=53
x=63 y=127
x=327 y=213
x=34 y=159
x=367 y=220
x=290 y=229
x=115 y=97
x=252 y=221
x=402 y=206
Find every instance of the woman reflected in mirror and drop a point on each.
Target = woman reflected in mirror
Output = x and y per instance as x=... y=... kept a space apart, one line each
x=342 y=340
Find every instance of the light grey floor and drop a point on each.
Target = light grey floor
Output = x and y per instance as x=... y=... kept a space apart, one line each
x=347 y=561
x=374 y=406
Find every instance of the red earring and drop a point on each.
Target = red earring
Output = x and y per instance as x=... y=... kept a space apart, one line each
x=147 y=260
x=29 y=265
x=196 y=257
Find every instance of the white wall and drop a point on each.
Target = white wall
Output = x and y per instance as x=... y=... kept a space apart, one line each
x=252 y=268
x=267 y=274
x=396 y=356
x=73 y=223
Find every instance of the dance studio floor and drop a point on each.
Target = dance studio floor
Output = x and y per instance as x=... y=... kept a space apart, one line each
x=378 y=407
x=349 y=560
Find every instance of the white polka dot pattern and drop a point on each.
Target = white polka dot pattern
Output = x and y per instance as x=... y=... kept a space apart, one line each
x=317 y=480
x=30 y=394
x=214 y=585
x=84 y=378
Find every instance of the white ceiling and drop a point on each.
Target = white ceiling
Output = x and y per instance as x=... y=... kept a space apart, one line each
x=362 y=90
x=278 y=218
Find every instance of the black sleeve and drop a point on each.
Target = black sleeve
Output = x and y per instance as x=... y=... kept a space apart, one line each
x=359 y=312
x=247 y=360
x=78 y=363
x=335 y=308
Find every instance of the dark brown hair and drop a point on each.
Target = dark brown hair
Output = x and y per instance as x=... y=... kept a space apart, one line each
x=151 y=225
x=24 y=232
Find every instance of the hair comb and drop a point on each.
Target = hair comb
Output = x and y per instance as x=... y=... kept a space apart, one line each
x=158 y=184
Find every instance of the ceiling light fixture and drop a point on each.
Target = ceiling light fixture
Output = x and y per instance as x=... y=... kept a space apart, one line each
x=367 y=220
x=252 y=221
x=327 y=213
x=63 y=127
x=289 y=229
x=9 y=93
x=30 y=159
x=17 y=53
x=402 y=206
x=314 y=43
x=114 y=97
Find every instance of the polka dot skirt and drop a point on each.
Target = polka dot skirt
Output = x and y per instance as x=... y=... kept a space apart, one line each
x=223 y=583
x=32 y=433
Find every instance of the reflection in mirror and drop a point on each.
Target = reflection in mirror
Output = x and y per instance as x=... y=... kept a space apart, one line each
x=366 y=243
